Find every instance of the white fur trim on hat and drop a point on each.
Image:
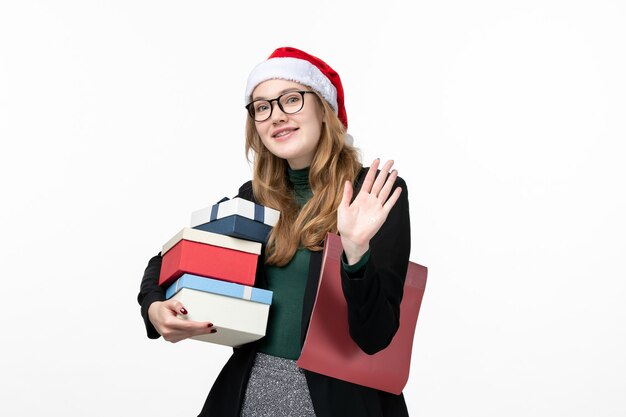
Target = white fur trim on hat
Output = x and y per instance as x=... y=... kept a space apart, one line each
x=292 y=69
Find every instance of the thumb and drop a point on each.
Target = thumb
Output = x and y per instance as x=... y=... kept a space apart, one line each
x=347 y=195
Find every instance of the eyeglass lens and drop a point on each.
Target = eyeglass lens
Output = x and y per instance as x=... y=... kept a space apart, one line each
x=289 y=103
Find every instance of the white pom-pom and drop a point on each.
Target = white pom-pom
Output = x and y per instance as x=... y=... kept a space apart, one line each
x=349 y=140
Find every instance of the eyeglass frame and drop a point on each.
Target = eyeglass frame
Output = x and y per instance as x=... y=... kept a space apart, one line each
x=250 y=108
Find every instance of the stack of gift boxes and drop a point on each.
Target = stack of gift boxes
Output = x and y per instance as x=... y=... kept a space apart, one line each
x=211 y=268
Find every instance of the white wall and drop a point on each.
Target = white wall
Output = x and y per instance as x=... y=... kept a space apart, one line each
x=119 y=118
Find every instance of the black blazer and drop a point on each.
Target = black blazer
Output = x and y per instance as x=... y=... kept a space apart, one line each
x=373 y=295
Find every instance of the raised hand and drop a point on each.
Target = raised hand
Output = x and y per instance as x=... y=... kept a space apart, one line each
x=164 y=318
x=358 y=222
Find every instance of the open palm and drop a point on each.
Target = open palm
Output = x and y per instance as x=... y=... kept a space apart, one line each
x=359 y=220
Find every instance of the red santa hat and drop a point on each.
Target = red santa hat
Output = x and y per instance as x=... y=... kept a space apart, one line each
x=292 y=64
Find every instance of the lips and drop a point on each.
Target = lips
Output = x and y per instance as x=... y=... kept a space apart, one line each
x=281 y=133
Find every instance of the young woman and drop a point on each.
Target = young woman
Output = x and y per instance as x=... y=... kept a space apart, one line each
x=305 y=166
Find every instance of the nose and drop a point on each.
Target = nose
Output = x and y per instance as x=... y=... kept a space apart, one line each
x=277 y=113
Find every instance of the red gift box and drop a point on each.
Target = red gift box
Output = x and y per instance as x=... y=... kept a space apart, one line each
x=208 y=261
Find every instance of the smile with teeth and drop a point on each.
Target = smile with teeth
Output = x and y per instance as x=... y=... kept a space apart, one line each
x=283 y=133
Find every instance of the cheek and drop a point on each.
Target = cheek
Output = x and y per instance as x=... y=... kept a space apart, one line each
x=266 y=142
x=316 y=130
x=264 y=135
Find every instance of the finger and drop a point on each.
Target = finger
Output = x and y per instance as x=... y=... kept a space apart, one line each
x=177 y=328
x=188 y=328
x=386 y=190
x=381 y=178
x=204 y=330
x=391 y=201
x=176 y=306
x=346 y=198
x=371 y=175
x=195 y=328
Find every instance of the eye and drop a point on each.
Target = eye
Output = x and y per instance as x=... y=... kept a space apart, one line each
x=261 y=106
x=292 y=98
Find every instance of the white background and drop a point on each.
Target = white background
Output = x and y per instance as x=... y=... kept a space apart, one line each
x=506 y=119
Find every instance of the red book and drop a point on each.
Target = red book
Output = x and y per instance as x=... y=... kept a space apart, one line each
x=328 y=348
x=208 y=261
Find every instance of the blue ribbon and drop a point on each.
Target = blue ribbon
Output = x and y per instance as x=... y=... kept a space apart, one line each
x=215 y=208
x=259 y=213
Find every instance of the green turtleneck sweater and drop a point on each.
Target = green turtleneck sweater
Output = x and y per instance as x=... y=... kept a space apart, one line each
x=282 y=337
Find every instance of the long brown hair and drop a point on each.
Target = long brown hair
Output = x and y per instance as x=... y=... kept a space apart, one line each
x=334 y=163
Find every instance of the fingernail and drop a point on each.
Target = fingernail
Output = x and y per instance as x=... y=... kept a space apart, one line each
x=210 y=325
x=183 y=310
x=213 y=330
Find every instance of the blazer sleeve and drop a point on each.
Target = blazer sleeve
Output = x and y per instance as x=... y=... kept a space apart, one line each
x=374 y=292
x=149 y=292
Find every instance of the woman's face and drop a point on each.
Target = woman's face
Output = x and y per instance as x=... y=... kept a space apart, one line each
x=293 y=137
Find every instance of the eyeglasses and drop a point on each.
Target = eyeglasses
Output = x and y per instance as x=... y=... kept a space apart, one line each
x=289 y=103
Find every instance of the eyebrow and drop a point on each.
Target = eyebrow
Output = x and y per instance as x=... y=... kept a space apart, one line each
x=280 y=93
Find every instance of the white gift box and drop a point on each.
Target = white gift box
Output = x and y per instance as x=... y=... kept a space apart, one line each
x=238 y=206
x=238 y=312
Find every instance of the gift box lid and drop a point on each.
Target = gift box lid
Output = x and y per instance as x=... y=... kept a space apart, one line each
x=220 y=287
x=242 y=207
x=238 y=227
x=210 y=238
